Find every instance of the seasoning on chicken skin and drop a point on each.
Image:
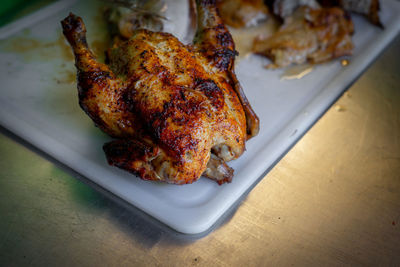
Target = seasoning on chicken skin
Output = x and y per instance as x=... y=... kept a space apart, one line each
x=177 y=111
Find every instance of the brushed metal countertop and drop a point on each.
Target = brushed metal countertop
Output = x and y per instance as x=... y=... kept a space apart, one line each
x=333 y=199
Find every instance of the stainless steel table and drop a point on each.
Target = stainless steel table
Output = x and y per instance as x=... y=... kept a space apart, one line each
x=333 y=199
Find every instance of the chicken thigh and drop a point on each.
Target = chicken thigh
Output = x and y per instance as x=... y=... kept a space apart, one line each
x=177 y=111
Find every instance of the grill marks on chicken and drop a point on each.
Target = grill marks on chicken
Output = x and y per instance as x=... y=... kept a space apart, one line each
x=169 y=105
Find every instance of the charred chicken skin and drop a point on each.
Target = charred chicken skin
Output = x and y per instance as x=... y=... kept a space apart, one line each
x=177 y=111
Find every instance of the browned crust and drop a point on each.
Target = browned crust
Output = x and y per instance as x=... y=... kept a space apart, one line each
x=158 y=117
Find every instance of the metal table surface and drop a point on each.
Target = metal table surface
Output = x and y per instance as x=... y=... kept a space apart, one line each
x=333 y=199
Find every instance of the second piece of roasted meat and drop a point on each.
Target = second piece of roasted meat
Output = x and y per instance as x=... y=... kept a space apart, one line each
x=242 y=13
x=369 y=8
x=313 y=35
x=177 y=111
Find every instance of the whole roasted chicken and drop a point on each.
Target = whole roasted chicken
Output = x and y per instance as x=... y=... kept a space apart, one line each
x=308 y=35
x=177 y=111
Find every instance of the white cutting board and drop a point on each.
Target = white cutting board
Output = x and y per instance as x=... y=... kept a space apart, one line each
x=38 y=102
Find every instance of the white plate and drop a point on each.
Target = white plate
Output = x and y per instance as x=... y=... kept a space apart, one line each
x=38 y=101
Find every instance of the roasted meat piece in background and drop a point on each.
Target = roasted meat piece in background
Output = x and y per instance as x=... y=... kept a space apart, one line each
x=177 y=111
x=242 y=13
x=126 y=16
x=313 y=35
x=369 y=8
x=284 y=8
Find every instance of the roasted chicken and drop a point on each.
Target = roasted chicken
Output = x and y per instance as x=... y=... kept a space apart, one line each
x=123 y=17
x=369 y=8
x=308 y=35
x=285 y=8
x=177 y=111
x=242 y=13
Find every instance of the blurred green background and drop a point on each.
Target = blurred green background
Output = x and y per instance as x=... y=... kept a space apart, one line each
x=11 y=10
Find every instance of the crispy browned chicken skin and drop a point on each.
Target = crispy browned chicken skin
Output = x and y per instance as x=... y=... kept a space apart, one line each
x=369 y=8
x=177 y=111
